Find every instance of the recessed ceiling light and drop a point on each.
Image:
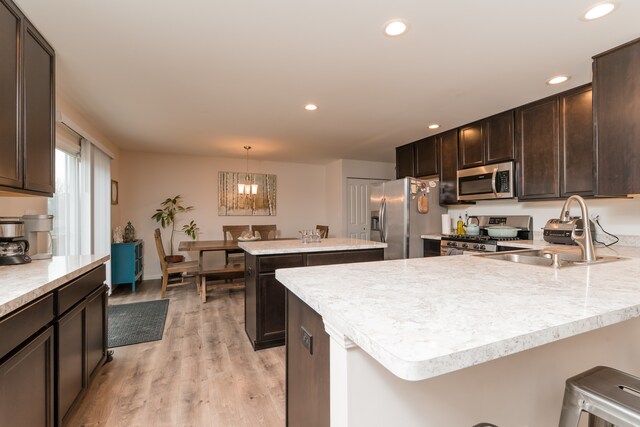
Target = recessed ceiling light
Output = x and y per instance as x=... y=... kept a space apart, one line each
x=395 y=27
x=557 y=80
x=598 y=11
x=434 y=126
x=311 y=107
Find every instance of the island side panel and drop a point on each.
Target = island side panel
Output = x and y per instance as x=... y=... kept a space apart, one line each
x=307 y=366
x=523 y=389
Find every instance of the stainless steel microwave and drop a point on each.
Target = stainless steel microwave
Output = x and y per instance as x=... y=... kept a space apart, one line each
x=487 y=182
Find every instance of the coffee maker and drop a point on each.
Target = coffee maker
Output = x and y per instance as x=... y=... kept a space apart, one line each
x=37 y=229
x=13 y=248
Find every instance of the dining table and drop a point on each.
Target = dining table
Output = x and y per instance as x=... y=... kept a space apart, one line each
x=202 y=246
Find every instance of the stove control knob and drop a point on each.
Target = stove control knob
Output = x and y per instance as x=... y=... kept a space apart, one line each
x=465 y=245
x=481 y=247
x=476 y=246
x=451 y=243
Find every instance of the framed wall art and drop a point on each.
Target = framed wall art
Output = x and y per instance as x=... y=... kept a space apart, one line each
x=259 y=199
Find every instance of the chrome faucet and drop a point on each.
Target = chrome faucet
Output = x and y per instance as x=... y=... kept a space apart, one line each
x=583 y=240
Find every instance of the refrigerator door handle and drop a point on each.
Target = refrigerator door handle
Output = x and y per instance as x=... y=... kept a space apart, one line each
x=383 y=231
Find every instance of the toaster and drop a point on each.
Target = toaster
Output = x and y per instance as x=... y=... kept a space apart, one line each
x=558 y=231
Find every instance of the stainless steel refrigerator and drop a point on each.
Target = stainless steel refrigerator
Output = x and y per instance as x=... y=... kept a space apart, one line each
x=396 y=216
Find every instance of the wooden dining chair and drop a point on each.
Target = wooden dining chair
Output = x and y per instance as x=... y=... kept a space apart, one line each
x=232 y=232
x=324 y=231
x=267 y=232
x=172 y=267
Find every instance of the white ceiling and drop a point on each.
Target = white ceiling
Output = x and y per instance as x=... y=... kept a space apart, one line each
x=209 y=76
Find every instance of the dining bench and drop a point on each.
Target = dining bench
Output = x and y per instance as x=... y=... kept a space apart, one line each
x=227 y=271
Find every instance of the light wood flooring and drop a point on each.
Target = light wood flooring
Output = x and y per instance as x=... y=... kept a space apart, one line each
x=202 y=373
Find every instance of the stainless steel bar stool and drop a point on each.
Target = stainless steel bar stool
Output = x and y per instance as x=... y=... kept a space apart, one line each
x=611 y=397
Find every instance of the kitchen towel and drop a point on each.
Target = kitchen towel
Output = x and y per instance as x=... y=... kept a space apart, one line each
x=446 y=224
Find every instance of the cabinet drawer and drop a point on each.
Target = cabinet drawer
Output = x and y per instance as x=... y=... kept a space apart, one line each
x=16 y=328
x=73 y=292
x=267 y=264
x=345 y=257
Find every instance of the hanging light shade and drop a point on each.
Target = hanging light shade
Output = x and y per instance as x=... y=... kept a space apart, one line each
x=246 y=187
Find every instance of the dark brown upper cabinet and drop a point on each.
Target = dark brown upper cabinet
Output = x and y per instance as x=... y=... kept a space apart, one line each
x=554 y=146
x=576 y=142
x=616 y=86
x=427 y=153
x=448 y=142
x=471 y=146
x=10 y=101
x=405 y=161
x=490 y=140
x=39 y=112
x=537 y=143
x=27 y=105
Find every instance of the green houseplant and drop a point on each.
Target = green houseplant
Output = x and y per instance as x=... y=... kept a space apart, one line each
x=166 y=216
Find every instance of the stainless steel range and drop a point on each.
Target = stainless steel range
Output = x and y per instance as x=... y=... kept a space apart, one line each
x=456 y=244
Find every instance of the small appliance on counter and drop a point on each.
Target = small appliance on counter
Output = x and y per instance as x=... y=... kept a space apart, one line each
x=13 y=248
x=559 y=231
x=34 y=227
x=491 y=230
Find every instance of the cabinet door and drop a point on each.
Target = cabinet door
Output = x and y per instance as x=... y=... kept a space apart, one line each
x=10 y=147
x=537 y=149
x=471 y=146
x=616 y=86
x=307 y=366
x=272 y=308
x=39 y=108
x=498 y=137
x=448 y=167
x=405 y=161
x=96 y=330
x=427 y=157
x=26 y=384
x=71 y=365
x=576 y=148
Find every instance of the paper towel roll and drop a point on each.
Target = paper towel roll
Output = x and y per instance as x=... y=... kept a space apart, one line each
x=446 y=224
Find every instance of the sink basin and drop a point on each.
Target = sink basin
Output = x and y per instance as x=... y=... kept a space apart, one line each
x=547 y=258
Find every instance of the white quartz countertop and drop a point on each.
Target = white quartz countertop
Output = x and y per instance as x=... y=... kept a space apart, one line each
x=271 y=247
x=425 y=317
x=21 y=284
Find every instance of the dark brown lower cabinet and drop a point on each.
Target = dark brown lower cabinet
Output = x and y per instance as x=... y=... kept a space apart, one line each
x=50 y=350
x=71 y=362
x=26 y=384
x=307 y=366
x=265 y=297
x=80 y=343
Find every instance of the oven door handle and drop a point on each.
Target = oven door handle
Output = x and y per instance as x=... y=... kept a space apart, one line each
x=493 y=182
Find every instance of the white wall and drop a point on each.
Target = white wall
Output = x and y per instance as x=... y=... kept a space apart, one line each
x=148 y=179
x=617 y=216
x=21 y=205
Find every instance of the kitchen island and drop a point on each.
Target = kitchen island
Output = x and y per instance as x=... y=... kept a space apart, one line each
x=265 y=296
x=455 y=341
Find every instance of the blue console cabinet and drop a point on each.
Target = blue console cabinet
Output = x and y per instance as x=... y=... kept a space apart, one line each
x=126 y=263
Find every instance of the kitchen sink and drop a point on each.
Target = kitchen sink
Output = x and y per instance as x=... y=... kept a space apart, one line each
x=547 y=258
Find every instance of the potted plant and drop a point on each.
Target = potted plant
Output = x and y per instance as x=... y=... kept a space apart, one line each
x=166 y=216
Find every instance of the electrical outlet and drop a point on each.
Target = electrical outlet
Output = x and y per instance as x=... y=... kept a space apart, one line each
x=307 y=339
x=594 y=216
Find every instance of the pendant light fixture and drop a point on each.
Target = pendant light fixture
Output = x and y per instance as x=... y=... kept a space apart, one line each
x=247 y=188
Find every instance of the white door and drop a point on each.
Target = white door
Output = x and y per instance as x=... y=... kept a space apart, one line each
x=358 y=210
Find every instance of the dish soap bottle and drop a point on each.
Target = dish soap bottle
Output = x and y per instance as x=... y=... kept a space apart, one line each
x=460 y=225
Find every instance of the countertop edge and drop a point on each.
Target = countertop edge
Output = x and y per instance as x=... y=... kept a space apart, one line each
x=275 y=247
x=31 y=295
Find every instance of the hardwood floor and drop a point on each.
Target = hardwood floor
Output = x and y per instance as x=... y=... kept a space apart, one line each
x=202 y=373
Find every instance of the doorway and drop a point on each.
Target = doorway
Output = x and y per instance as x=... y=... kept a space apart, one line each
x=358 y=215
